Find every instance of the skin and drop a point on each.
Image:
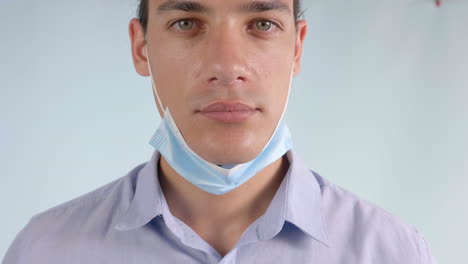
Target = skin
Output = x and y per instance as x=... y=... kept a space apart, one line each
x=221 y=54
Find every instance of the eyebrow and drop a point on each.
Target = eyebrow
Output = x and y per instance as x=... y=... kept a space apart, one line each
x=264 y=6
x=252 y=7
x=187 y=6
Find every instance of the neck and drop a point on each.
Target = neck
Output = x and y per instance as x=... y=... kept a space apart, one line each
x=213 y=216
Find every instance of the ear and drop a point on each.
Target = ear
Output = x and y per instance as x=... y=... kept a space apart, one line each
x=301 y=32
x=138 y=42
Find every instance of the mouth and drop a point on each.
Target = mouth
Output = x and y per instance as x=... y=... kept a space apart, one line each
x=228 y=111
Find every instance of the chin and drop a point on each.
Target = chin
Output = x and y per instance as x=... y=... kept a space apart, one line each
x=231 y=154
x=234 y=145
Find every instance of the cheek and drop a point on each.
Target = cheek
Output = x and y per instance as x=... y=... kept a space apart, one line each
x=176 y=53
x=172 y=77
x=276 y=86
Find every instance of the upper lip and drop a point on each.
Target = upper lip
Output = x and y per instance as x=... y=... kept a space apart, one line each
x=227 y=106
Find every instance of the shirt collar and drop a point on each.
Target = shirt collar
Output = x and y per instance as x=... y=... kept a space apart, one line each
x=298 y=201
x=147 y=199
x=304 y=200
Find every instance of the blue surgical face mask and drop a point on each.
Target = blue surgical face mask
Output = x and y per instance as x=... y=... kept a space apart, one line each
x=208 y=176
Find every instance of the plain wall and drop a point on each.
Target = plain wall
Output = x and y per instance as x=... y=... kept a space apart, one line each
x=380 y=107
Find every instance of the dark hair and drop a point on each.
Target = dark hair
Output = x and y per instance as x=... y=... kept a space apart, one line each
x=142 y=12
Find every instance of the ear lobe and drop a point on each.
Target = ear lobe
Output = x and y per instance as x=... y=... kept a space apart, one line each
x=296 y=69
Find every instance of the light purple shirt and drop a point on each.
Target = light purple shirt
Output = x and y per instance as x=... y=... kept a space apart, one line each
x=309 y=220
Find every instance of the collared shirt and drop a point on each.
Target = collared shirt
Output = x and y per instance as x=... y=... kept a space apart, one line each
x=309 y=220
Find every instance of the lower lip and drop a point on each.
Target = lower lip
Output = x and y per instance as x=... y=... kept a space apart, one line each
x=230 y=117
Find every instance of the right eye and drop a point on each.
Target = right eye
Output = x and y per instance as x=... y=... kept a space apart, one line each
x=184 y=24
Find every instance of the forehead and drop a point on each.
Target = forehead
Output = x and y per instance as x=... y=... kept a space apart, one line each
x=210 y=6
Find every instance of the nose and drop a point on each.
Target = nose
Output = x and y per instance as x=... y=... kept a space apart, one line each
x=227 y=62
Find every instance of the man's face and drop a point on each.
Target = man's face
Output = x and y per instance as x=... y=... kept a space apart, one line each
x=205 y=52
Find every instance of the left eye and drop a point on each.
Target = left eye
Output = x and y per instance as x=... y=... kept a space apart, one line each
x=264 y=25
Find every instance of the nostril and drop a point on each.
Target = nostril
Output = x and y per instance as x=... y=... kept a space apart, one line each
x=214 y=79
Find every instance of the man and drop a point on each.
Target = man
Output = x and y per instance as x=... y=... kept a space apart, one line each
x=223 y=185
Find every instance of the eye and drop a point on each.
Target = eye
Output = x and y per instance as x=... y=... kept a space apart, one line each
x=264 y=25
x=185 y=24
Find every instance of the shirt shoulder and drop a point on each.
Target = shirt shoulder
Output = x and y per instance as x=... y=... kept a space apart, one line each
x=370 y=234
x=88 y=215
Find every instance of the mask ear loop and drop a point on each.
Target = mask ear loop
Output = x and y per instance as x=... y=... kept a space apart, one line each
x=284 y=108
x=289 y=92
x=153 y=84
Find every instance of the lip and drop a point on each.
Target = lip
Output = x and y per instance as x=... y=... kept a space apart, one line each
x=228 y=111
